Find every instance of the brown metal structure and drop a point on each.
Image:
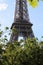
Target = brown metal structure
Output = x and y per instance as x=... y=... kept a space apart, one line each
x=21 y=21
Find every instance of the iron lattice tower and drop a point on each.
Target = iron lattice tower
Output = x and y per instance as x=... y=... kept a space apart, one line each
x=21 y=21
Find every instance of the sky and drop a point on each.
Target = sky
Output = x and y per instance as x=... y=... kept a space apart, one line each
x=7 y=11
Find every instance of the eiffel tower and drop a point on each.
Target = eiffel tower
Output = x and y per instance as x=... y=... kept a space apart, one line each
x=21 y=22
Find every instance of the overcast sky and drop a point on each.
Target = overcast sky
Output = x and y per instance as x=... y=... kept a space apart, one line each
x=7 y=10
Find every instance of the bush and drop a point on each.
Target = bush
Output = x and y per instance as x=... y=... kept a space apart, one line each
x=31 y=53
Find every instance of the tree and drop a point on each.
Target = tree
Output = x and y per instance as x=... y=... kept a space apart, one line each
x=31 y=53
x=33 y=3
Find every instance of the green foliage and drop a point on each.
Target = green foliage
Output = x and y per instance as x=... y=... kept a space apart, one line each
x=33 y=3
x=14 y=31
x=1 y=32
x=6 y=28
x=29 y=54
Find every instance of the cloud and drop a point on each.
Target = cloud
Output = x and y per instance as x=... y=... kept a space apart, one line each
x=3 y=6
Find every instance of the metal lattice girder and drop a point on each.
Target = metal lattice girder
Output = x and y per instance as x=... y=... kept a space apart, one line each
x=21 y=21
